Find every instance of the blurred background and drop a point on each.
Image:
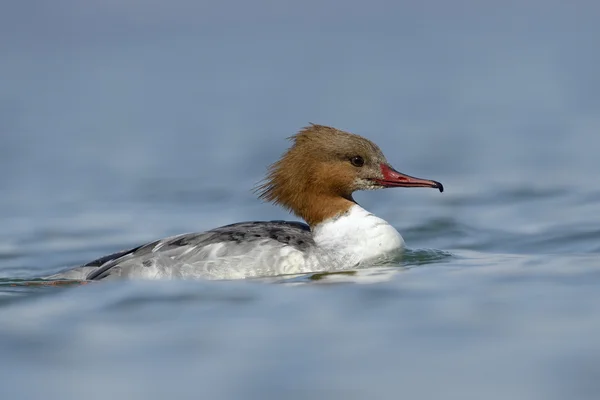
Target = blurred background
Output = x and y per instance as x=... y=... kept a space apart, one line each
x=126 y=121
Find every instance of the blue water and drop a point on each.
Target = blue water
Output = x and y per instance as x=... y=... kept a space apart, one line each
x=124 y=123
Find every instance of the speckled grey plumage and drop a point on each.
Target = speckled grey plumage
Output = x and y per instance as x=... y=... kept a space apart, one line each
x=294 y=234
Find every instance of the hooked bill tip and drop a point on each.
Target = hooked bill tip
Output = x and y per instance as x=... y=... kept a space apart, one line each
x=439 y=186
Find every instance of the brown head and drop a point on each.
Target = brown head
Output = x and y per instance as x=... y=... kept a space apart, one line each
x=316 y=177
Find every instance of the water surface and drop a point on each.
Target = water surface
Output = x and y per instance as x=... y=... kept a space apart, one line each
x=122 y=124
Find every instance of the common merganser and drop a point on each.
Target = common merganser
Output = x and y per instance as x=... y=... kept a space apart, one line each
x=315 y=180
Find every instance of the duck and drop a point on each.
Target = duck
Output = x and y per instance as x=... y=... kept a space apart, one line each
x=315 y=180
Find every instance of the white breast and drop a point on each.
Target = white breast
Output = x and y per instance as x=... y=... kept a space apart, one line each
x=359 y=237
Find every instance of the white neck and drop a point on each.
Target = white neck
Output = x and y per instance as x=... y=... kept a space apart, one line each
x=358 y=237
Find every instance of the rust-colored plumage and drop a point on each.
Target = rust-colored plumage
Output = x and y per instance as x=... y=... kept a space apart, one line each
x=315 y=178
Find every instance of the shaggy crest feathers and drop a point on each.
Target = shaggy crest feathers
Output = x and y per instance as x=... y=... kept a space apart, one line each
x=314 y=178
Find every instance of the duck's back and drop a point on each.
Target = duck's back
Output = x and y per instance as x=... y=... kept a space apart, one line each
x=242 y=250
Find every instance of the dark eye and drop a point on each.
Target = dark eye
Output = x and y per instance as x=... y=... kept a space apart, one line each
x=357 y=161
